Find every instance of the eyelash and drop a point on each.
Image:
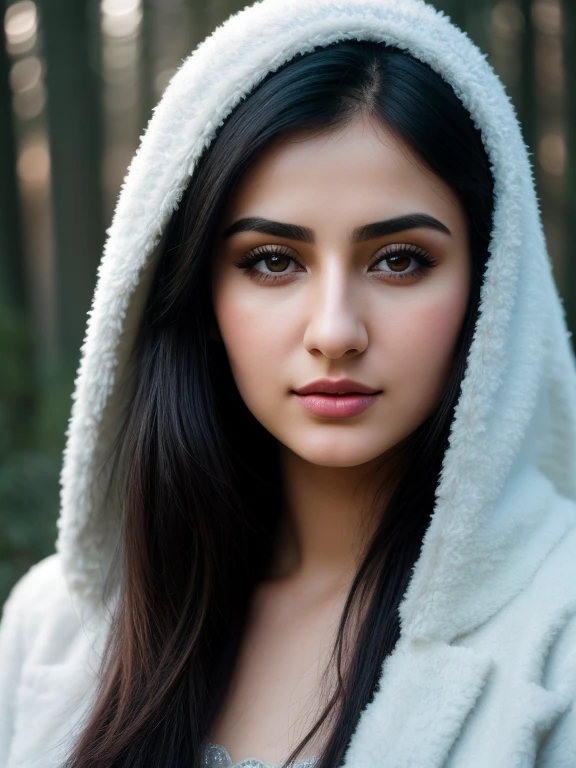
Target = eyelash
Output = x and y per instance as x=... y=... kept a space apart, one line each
x=249 y=260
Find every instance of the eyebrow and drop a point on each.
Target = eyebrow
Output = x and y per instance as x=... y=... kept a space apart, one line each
x=360 y=234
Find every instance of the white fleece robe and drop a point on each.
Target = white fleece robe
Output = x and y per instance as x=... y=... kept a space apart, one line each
x=484 y=673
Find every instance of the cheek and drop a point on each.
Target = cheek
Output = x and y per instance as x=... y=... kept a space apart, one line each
x=421 y=340
x=256 y=334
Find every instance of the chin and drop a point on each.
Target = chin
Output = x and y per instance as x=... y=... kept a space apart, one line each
x=340 y=453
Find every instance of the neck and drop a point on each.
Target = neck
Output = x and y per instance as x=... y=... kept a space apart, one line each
x=328 y=519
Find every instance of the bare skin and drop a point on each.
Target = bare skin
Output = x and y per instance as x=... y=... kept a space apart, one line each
x=331 y=308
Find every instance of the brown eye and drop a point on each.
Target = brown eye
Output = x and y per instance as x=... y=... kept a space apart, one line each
x=268 y=263
x=403 y=261
x=398 y=263
x=277 y=263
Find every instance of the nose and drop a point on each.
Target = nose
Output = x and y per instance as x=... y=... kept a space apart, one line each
x=336 y=324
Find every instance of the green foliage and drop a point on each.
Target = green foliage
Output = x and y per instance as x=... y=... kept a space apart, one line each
x=28 y=511
x=32 y=425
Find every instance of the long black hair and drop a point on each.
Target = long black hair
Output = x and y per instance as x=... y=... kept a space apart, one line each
x=201 y=487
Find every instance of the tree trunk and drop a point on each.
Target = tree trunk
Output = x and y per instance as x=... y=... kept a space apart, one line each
x=569 y=12
x=13 y=291
x=147 y=60
x=74 y=121
x=18 y=381
x=479 y=23
x=527 y=86
x=457 y=10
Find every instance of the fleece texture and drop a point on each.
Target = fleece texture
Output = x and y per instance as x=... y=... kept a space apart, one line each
x=485 y=671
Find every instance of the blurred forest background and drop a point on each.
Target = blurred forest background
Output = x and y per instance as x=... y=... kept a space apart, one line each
x=78 y=80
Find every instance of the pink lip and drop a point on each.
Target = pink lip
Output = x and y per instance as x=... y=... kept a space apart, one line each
x=336 y=406
x=336 y=399
x=336 y=387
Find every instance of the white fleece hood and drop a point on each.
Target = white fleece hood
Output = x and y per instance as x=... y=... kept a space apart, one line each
x=507 y=492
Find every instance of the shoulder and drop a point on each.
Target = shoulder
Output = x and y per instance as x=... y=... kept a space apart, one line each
x=40 y=589
x=554 y=585
x=558 y=747
x=553 y=594
x=533 y=643
x=44 y=580
x=545 y=611
x=45 y=650
x=39 y=611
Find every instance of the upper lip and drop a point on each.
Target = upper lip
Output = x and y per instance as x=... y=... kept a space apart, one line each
x=336 y=387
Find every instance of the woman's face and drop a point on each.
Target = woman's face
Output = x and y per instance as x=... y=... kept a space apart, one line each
x=341 y=257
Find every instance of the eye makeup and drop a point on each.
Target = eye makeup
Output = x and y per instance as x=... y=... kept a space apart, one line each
x=395 y=254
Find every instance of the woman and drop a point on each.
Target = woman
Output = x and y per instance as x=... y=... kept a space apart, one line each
x=319 y=492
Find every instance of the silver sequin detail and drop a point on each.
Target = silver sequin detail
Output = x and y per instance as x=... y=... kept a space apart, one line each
x=217 y=756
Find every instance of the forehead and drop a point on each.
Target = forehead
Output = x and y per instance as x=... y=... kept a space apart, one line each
x=357 y=170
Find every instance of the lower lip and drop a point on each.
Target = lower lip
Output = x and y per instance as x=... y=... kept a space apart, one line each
x=336 y=406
